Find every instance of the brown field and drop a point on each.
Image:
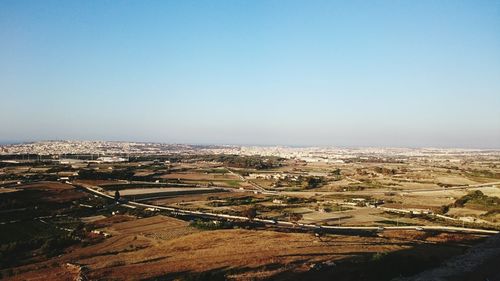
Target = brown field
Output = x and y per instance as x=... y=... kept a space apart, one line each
x=48 y=186
x=99 y=182
x=8 y=190
x=189 y=198
x=134 y=246
x=205 y=197
x=165 y=190
x=109 y=221
x=162 y=246
x=55 y=191
x=200 y=176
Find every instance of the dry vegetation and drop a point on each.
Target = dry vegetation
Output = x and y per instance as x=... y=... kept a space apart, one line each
x=162 y=246
x=107 y=241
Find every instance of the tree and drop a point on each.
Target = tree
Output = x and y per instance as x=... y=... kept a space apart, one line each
x=314 y=182
x=336 y=174
x=117 y=195
x=250 y=213
x=444 y=209
x=294 y=217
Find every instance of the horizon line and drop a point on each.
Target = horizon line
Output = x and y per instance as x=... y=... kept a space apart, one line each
x=10 y=142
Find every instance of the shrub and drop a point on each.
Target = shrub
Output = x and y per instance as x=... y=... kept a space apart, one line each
x=378 y=256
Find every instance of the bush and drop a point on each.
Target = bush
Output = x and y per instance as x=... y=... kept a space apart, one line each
x=478 y=198
x=444 y=209
x=210 y=225
x=250 y=213
x=55 y=246
x=378 y=256
x=315 y=182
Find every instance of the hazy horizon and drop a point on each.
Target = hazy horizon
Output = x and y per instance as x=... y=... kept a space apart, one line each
x=296 y=73
x=254 y=144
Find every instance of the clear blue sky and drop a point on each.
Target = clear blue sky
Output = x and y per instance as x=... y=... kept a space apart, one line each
x=350 y=73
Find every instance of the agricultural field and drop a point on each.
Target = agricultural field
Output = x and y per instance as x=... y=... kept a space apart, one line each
x=167 y=248
x=230 y=217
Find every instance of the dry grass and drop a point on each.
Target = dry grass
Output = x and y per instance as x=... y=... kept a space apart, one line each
x=163 y=246
x=200 y=176
x=54 y=186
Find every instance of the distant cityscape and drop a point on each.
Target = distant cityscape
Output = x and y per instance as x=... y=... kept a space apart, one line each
x=308 y=154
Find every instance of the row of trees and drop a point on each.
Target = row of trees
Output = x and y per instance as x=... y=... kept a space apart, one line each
x=251 y=213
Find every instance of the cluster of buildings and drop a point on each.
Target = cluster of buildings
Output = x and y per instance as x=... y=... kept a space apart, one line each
x=96 y=147
x=308 y=154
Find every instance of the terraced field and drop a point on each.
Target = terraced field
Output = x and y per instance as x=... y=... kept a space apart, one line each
x=167 y=247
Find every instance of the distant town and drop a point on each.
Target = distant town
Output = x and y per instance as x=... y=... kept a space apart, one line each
x=308 y=154
x=304 y=208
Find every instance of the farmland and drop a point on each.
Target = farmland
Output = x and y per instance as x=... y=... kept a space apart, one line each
x=199 y=217
x=170 y=248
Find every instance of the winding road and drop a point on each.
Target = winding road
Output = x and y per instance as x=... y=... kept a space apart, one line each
x=286 y=224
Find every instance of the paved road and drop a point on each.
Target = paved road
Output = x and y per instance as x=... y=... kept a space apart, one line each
x=472 y=186
x=276 y=223
x=399 y=192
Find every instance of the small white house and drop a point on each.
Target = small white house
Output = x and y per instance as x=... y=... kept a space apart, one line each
x=278 y=201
